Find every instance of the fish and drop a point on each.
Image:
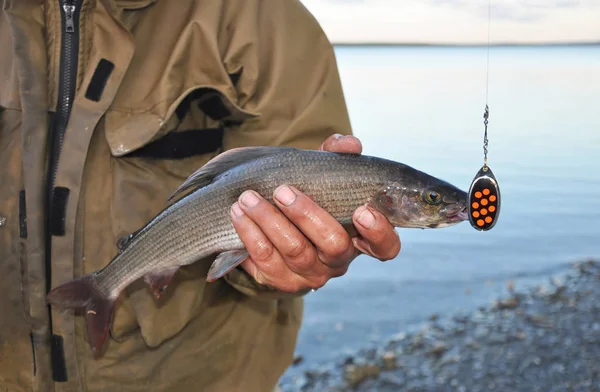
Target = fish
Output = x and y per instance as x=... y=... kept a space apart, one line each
x=198 y=224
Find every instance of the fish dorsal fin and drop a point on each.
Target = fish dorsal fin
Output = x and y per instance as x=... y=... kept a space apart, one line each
x=223 y=162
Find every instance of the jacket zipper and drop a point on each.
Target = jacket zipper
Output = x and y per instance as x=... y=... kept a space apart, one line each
x=69 y=57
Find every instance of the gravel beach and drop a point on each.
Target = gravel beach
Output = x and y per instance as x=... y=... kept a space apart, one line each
x=543 y=339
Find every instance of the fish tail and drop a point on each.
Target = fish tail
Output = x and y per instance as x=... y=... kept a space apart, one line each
x=84 y=294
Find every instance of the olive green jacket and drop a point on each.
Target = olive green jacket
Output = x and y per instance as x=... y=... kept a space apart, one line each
x=121 y=100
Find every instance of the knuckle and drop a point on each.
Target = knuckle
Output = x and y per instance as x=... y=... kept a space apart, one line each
x=341 y=271
x=303 y=264
x=338 y=245
x=297 y=248
x=263 y=251
x=319 y=282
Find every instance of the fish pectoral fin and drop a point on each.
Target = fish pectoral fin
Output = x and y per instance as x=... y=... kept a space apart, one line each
x=225 y=262
x=159 y=281
x=222 y=163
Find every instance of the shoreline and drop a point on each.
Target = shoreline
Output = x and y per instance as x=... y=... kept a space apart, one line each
x=473 y=45
x=537 y=339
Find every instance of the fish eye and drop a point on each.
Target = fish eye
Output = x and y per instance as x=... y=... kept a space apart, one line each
x=432 y=197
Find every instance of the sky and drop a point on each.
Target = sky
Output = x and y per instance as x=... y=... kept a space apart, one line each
x=458 y=21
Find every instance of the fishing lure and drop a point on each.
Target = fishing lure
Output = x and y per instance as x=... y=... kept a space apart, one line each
x=484 y=193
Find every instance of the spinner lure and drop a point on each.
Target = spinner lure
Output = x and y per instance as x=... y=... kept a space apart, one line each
x=484 y=194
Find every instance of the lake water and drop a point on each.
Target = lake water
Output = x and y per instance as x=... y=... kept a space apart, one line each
x=423 y=106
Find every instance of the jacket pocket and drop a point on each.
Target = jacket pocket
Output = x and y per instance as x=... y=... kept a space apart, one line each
x=151 y=157
x=128 y=130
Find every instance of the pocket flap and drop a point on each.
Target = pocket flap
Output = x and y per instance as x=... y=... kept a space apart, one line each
x=127 y=131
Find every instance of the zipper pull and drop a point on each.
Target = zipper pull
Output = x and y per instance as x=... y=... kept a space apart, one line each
x=69 y=11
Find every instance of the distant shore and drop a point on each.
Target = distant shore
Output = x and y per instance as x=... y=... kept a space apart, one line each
x=481 y=45
x=543 y=339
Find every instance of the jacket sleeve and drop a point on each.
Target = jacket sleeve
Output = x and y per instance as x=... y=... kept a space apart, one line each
x=286 y=74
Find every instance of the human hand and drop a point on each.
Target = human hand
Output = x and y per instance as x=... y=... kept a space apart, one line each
x=296 y=245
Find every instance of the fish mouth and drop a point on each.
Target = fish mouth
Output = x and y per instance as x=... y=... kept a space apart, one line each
x=460 y=216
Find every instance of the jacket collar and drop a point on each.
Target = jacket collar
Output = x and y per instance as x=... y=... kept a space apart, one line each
x=133 y=4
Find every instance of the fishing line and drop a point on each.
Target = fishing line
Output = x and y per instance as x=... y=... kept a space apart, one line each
x=484 y=194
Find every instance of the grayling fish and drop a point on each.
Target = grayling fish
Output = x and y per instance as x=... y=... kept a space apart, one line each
x=199 y=225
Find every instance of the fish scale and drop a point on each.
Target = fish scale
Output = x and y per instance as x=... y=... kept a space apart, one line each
x=199 y=225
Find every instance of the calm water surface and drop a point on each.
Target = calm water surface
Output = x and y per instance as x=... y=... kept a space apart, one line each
x=424 y=107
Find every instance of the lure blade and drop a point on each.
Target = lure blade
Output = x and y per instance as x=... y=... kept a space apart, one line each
x=484 y=200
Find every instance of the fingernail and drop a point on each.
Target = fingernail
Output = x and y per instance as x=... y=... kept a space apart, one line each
x=285 y=195
x=366 y=219
x=249 y=199
x=338 y=136
x=236 y=210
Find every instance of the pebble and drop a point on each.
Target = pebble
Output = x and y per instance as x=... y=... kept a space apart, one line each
x=509 y=303
x=389 y=360
x=355 y=374
x=438 y=349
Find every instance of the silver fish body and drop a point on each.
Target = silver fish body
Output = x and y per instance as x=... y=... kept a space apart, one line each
x=199 y=224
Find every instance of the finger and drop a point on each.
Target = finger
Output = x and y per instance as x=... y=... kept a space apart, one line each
x=379 y=239
x=257 y=244
x=341 y=143
x=265 y=264
x=291 y=244
x=334 y=245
